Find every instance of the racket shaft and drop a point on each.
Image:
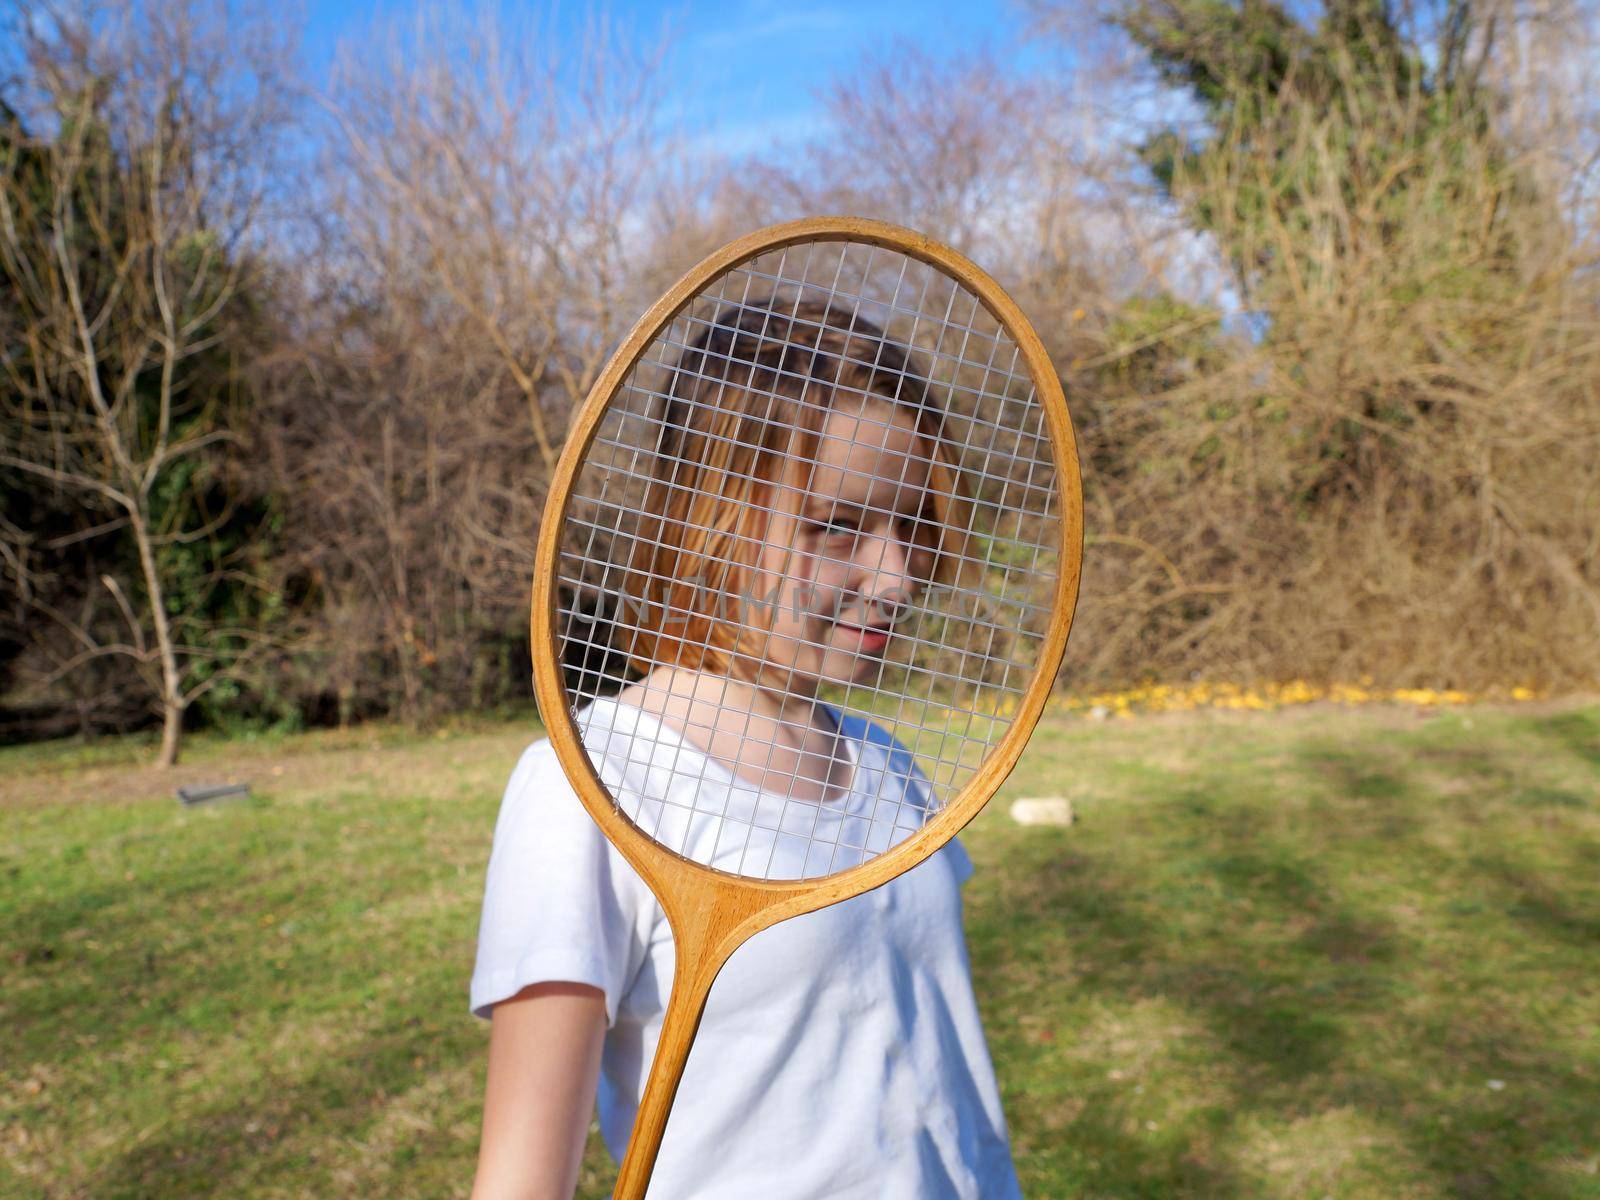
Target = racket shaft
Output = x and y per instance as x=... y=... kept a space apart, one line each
x=691 y=984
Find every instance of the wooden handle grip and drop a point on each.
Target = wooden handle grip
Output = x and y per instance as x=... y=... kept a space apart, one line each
x=698 y=957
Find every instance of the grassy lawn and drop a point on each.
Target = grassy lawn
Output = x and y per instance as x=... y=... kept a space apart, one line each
x=1318 y=952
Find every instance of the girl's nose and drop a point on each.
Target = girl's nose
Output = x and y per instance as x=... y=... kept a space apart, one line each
x=883 y=561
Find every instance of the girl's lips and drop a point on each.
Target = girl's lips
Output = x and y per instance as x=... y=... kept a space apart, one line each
x=869 y=639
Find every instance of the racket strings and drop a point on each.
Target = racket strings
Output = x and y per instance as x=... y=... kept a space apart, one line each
x=961 y=650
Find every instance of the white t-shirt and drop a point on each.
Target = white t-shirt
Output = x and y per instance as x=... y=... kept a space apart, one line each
x=840 y=1054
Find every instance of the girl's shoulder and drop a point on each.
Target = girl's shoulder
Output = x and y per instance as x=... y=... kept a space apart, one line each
x=600 y=724
x=537 y=772
x=540 y=791
x=540 y=803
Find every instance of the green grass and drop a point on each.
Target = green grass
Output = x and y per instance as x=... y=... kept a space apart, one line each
x=1311 y=953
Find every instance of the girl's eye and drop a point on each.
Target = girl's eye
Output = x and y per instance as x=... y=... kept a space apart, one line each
x=839 y=527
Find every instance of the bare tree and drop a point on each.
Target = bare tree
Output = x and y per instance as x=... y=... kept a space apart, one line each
x=132 y=183
x=492 y=222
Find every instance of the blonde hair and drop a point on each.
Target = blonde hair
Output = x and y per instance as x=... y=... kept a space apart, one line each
x=751 y=393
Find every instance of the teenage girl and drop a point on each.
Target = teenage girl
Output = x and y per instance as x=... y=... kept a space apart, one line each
x=799 y=501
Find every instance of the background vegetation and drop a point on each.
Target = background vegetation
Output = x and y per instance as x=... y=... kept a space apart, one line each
x=285 y=368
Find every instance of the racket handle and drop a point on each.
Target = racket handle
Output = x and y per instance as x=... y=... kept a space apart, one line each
x=694 y=972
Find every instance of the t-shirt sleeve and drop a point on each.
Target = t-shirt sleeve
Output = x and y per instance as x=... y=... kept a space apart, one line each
x=560 y=903
x=959 y=859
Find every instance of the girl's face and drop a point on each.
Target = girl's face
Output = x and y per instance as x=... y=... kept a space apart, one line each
x=845 y=568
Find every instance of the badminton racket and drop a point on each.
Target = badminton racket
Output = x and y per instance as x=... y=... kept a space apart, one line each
x=832 y=462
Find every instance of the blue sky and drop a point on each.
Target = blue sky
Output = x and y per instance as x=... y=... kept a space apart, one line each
x=746 y=72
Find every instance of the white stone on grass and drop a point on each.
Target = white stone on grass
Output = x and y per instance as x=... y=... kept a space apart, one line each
x=1042 y=810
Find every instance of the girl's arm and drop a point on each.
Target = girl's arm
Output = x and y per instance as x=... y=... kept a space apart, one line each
x=544 y=1063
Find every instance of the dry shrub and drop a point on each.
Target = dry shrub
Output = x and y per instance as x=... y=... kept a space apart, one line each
x=1394 y=470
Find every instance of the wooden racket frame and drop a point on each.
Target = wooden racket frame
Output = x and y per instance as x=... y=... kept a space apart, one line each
x=713 y=912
